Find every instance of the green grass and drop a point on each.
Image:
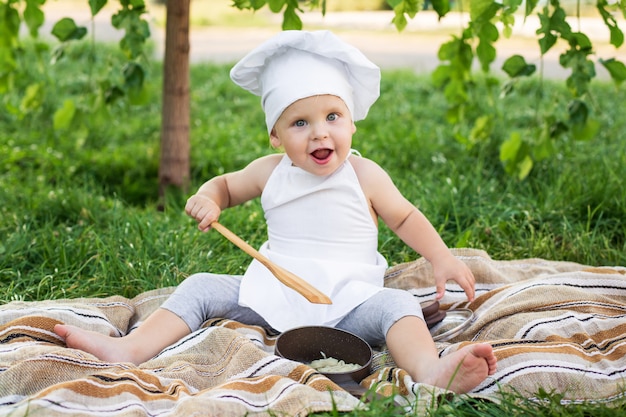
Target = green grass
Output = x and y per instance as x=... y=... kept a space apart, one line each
x=547 y=404
x=79 y=211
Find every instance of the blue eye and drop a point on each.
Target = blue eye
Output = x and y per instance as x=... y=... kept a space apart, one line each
x=332 y=117
x=300 y=123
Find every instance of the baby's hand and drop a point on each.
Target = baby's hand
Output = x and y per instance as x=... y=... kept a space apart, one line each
x=451 y=268
x=204 y=210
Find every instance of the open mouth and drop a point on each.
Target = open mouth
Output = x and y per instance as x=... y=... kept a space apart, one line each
x=321 y=155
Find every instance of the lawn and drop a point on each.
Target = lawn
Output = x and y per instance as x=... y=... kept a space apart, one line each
x=79 y=206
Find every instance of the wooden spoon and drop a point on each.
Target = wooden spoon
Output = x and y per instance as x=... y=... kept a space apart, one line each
x=291 y=280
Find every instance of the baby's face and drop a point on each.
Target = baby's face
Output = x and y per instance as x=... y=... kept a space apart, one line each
x=316 y=133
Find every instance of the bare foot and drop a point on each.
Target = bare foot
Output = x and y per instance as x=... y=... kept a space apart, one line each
x=464 y=369
x=105 y=348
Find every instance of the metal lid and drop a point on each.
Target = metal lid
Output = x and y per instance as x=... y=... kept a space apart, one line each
x=455 y=322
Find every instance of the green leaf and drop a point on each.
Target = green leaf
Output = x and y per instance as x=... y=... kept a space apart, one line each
x=546 y=43
x=112 y=93
x=399 y=21
x=7 y=62
x=490 y=13
x=242 y=4
x=455 y=91
x=448 y=50
x=138 y=97
x=512 y=5
x=524 y=167
x=138 y=4
x=559 y=24
x=530 y=6
x=516 y=66
x=291 y=20
x=257 y=4
x=582 y=73
x=137 y=31
x=510 y=147
x=411 y=7
x=582 y=127
x=556 y=129
x=96 y=5
x=580 y=41
x=456 y=51
x=63 y=117
x=616 y=35
x=478 y=7
x=508 y=20
x=442 y=7
x=34 y=17
x=507 y=31
x=482 y=129
x=544 y=148
x=549 y=25
x=515 y=156
x=616 y=69
x=66 y=29
x=402 y=8
x=276 y=6
x=133 y=75
x=33 y=98
x=585 y=131
x=488 y=32
x=249 y=4
x=578 y=111
x=441 y=75
x=9 y=23
x=486 y=54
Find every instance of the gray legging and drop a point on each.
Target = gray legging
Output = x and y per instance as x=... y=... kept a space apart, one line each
x=204 y=296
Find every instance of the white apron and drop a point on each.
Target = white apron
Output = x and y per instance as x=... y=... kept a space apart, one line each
x=319 y=228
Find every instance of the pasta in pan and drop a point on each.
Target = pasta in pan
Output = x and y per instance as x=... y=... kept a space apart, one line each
x=332 y=365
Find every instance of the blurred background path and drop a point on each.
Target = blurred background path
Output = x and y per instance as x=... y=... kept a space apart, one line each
x=371 y=31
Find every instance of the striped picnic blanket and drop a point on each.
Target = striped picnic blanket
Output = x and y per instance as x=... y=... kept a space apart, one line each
x=554 y=325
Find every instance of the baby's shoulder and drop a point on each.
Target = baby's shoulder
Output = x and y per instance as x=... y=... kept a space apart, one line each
x=261 y=168
x=265 y=163
x=364 y=166
x=270 y=160
x=371 y=176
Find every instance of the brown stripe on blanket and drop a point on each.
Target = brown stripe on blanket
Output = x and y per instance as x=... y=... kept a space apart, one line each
x=33 y=328
x=614 y=353
x=140 y=384
x=556 y=326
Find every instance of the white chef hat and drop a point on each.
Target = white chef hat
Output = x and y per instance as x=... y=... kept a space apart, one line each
x=297 y=64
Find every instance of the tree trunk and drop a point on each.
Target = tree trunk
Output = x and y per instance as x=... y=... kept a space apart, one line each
x=174 y=163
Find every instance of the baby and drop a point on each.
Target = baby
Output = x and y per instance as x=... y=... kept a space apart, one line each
x=322 y=203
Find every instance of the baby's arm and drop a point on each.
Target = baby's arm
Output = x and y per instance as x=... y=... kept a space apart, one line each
x=401 y=216
x=229 y=190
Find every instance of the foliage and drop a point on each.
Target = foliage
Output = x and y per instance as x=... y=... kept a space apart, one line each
x=522 y=149
x=105 y=82
x=519 y=153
